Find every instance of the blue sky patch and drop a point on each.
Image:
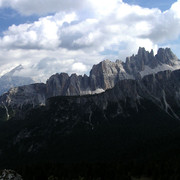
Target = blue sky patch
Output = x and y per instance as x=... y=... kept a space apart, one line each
x=161 y=4
x=9 y=17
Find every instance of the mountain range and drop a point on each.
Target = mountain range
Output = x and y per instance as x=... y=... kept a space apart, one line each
x=120 y=122
x=102 y=76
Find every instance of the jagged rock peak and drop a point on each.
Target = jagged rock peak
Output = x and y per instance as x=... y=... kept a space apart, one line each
x=152 y=52
x=142 y=50
x=166 y=56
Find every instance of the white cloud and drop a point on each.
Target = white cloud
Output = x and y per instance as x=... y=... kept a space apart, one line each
x=41 y=70
x=79 y=67
x=175 y=9
x=71 y=42
x=42 y=34
x=40 y=7
x=103 y=7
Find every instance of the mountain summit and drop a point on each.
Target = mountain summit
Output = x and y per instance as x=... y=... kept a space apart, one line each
x=106 y=74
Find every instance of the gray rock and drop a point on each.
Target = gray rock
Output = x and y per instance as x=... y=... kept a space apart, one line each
x=33 y=94
x=56 y=84
x=166 y=56
x=7 y=174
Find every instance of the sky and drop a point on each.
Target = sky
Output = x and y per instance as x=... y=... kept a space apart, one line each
x=54 y=36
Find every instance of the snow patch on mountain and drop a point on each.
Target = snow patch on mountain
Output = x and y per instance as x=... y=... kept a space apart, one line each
x=147 y=70
x=97 y=91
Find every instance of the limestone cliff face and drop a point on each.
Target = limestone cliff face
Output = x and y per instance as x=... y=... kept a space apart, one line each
x=56 y=84
x=103 y=76
x=63 y=84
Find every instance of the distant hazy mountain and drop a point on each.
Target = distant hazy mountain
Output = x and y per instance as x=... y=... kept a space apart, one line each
x=8 y=80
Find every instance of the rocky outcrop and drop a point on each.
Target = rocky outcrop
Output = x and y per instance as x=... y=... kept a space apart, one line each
x=33 y=94
x=8 y=174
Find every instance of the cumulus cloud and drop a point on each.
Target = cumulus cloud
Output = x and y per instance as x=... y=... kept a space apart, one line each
x=68 y=41
x=40 y=7
x=42 y=34
x=41 y=64
x=44 y=68
x=175 y=9
x=79 y=67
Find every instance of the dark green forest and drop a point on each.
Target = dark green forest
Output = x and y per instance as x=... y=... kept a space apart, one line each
x=45 y=145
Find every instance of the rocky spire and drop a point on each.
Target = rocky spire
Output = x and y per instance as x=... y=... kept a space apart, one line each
x=166 y=56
